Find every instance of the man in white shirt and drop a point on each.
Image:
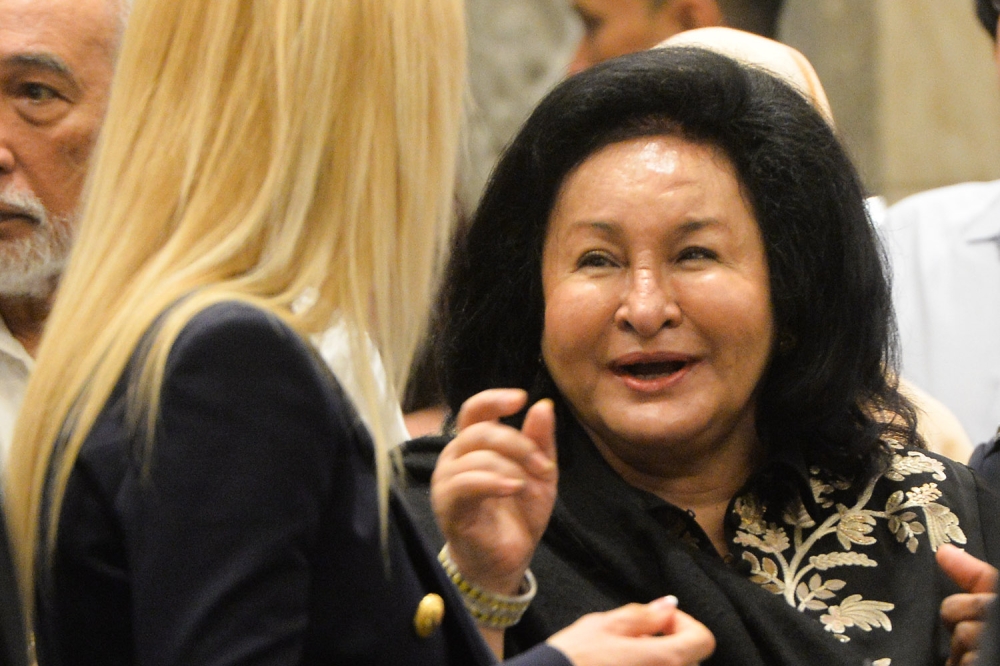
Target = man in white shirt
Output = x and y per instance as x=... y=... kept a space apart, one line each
x=944 y=247
x=56 y=62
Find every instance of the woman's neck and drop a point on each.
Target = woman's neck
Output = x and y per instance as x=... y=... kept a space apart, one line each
x=702 y=485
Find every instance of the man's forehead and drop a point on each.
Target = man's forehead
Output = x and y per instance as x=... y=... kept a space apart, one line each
x=60 y=29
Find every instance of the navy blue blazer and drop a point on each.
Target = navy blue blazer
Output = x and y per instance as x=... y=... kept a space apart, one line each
x=249 y=534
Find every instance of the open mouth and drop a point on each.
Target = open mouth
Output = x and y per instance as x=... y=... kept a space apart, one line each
x=651 y=369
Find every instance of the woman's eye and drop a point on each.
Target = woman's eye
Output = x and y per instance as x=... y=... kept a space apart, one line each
x=595 y=260
x=695 y=253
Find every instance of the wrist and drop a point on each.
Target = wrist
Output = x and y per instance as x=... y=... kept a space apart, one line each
x=490 y=609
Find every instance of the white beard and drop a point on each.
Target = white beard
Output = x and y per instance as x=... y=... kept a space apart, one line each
x=30 y=264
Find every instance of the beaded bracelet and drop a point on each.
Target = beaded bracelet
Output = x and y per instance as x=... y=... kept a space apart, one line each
x=494 y=611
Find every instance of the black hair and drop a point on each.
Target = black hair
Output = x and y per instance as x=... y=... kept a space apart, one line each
x=988 y=15
x=828 y=379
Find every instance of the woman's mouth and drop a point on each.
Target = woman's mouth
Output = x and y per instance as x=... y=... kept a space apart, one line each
x=651 y=370
x=651 y=373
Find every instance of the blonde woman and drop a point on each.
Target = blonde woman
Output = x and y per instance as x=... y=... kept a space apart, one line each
x=191 y=485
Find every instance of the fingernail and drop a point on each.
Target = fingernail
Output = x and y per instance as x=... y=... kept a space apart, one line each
x=541 y=464
x=669 y=601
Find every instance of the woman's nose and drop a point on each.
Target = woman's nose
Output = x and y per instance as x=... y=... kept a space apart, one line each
x=649 y=305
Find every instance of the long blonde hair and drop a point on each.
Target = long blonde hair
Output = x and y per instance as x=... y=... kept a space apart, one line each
x=253 y=150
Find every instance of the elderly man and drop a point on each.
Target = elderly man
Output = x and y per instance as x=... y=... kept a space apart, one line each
x=615 y=27
x=56 y=61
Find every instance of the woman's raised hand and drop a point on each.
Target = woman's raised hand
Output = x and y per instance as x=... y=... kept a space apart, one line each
x=494 y=487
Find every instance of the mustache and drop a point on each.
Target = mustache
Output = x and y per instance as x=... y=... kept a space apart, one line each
x=23 y=202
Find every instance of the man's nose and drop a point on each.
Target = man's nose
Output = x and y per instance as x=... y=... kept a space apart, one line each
x=7 y=157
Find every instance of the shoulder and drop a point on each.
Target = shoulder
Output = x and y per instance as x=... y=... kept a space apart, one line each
x=234 y=326
x=943 y=208
x=942 y=477
x=249 y=352
x=951 y=501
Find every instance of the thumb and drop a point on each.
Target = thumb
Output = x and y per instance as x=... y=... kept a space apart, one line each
x=969 y=573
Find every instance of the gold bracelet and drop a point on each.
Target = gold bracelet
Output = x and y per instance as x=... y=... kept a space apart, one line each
x=491 y=610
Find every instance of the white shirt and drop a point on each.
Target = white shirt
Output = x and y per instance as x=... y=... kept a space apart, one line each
x=334 y=347
x=944 y=249
x=15 y=368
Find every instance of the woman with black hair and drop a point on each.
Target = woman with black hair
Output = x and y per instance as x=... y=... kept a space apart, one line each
x=675 y=250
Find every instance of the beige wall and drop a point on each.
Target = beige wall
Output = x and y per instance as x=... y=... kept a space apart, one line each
x=913 y=86
x=912 y=83
x=518 y=49
x=940 y=100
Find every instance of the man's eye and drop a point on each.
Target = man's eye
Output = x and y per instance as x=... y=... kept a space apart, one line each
x=38 y=93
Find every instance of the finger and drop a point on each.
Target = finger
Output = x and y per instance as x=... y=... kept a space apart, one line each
x=669 y=636
x=969 y=573
x=965 y=639
x=692 y=641
x=490 y=405
x=504 y=440
x=540 y=427
x=472 y=487
x=969 y=659
x=656 y=617
x=960 y=607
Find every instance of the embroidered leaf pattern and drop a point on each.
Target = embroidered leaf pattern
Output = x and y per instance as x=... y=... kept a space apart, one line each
x=787 y=565
x=854 y=527
x=751 y=514
x=766 y=574
x=857 y=612
x=775 y=540
x=797 y=515
x=914 y=462
x=924 y=495
x=810 y=596
x=830 y=560
x=942 y=526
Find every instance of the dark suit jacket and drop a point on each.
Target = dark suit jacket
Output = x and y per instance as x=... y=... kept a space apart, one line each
x=13 y=647
x=249 y=534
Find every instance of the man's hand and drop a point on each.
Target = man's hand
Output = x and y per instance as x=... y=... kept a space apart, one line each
x=965 y=613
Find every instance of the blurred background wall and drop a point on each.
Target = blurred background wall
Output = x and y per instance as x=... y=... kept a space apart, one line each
x=912 y=83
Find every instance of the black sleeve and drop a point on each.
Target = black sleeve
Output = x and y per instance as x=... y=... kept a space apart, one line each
x=419 y=458
x=222 y=521
x=986 y=461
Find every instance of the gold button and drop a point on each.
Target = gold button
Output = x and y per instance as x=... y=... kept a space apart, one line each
x=430 y=613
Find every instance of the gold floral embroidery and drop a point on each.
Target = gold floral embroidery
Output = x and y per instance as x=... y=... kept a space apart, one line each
x=785 y=564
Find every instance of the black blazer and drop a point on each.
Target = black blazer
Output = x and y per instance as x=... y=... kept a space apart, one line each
x=13 y=647
x=250 y=533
